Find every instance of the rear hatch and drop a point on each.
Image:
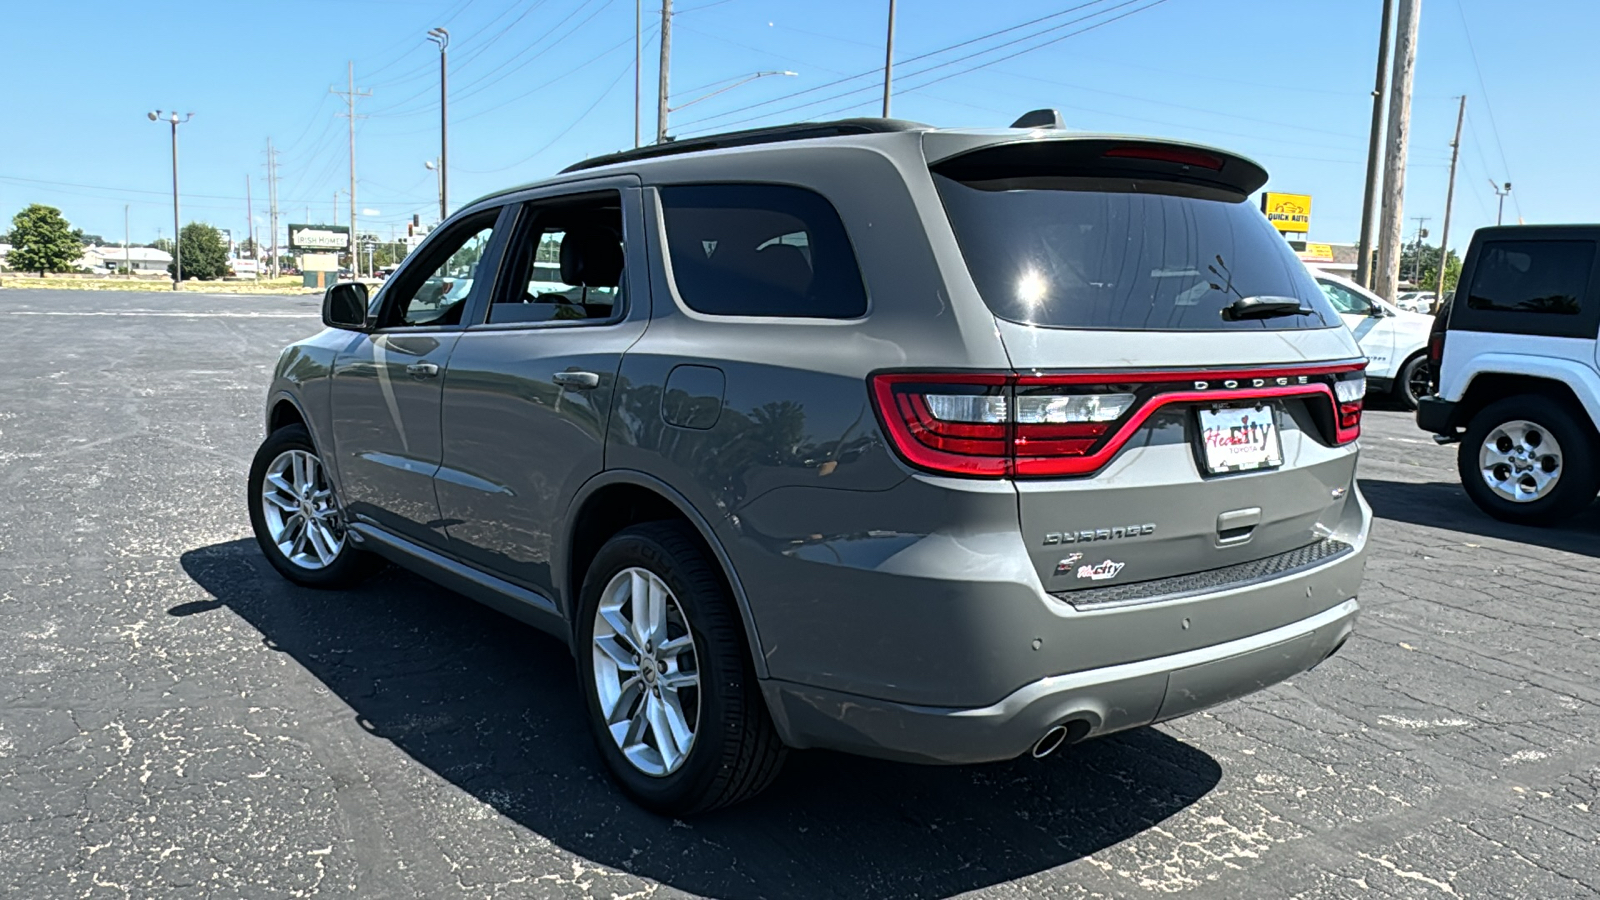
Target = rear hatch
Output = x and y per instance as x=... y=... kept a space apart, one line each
x=1184 y=400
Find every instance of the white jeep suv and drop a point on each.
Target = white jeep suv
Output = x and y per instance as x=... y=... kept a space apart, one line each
x=1519 y=381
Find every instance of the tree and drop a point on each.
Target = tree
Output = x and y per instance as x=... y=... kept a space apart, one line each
x=1419 y=264
x=205 y=255
x=162 y=244
x=42 y=241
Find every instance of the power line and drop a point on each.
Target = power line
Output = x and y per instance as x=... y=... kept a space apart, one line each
x=876 y=71
x=565 y=131
x=1494 y=129
x=947 y=63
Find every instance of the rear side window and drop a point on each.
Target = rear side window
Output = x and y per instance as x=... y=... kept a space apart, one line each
x=1533 y=286
x=1070 y=252
x=761 y=250
x=1532 y=276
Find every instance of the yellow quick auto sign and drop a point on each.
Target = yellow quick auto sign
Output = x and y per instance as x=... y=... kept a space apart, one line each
x=1288 y=212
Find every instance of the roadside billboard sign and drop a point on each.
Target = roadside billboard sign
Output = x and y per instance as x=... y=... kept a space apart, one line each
x=319 y=237
x=1289 y=213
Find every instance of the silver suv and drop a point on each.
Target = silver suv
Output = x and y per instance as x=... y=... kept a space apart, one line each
x=932 y=445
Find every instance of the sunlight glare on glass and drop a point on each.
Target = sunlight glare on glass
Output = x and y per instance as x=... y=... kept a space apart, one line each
x=1032 y=287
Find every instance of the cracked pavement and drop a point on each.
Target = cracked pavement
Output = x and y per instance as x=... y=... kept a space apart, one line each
x=175 y=720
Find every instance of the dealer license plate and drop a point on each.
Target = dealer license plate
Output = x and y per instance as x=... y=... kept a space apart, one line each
x=1239 y=439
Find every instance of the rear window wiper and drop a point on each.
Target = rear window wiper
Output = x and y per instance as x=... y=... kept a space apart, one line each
x=1264 y=307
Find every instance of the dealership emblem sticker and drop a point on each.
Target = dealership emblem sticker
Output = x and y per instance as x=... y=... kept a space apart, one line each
x=1065 y=565
x=1101 y=572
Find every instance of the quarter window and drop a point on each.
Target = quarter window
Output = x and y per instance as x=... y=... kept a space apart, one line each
x=761 y=250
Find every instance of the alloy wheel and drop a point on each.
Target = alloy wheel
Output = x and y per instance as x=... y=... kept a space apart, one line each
x=646 y=674
x=1520 y=460
x=301 y=513
x=1420 y=381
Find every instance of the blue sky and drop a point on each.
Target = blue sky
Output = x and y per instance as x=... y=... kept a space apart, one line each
x=536 y=84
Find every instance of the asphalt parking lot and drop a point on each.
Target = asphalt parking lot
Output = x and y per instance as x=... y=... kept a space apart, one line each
x=175 y=720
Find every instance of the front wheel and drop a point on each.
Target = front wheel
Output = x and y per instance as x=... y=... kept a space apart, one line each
x=1529 y=460
x=296 y=514
x=665 y=670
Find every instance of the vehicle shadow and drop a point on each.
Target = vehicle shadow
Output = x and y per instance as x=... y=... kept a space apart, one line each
x=1445 y=505
x=492 y=706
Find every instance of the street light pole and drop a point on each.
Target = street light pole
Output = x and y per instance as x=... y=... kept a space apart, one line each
x=1500 y=214
x=441 y=37
x=177 y=235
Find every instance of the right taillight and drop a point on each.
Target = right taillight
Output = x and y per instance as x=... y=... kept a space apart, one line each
x=1350 y=390
x=994 y=425
x=1436 y=349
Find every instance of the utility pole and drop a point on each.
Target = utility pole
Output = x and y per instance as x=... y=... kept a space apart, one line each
x=272 y=201
x=351 y=95
x=250 y=221
x=638 y=64
x=888 y=61
x=1416 y=250
x=1500 y=214
x=1391 y=222
x=666 y=71
x=441 y=37
x=1369 y=202
x=127 y=241
x=1450 y=198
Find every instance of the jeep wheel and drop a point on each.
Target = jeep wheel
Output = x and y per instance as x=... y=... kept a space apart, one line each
x=296 y=516
x=672 y=697
x=1529 y=460
x=1414 y=381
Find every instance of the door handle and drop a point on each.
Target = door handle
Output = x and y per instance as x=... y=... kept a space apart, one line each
x=579 y=380
x=422 y=370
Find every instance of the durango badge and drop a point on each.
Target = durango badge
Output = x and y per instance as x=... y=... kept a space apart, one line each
x=1101 y=572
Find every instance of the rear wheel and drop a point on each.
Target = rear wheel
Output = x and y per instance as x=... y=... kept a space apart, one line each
x=1414 y=381
x=1529 y=460
x=672 y=697
x=296 y=516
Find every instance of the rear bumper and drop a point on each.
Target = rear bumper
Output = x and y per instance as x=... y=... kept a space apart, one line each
x=1107 y=699
x=1437 y=415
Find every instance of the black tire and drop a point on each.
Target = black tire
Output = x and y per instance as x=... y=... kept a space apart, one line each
x=1411 y=383
x=736 y=752
x=349 y=567
x=1578 y=478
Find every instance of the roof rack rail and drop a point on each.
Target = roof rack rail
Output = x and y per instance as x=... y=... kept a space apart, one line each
x=799 y=131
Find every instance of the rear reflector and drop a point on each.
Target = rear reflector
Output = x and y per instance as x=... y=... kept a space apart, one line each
x=992 y=425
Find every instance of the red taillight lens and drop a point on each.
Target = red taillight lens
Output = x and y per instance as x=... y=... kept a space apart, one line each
x=1350 y=392
x=997 y=425
x=1436 y=349
x=1180 y=155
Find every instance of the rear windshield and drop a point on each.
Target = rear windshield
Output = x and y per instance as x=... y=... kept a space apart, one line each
x=1109 y=253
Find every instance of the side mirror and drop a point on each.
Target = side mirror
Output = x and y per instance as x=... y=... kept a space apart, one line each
x=1377 y=312
x=345 y=306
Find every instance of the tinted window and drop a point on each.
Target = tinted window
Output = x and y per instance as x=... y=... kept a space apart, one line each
x=761 y=250
x=1107 y=253
x=1532 y=276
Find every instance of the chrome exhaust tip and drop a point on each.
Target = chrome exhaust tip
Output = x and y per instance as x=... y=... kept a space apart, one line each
x=1050 y=742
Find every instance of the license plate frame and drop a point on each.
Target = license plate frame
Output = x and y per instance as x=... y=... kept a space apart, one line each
x=1230 y=441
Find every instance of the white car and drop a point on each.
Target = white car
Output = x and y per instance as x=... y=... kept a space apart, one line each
x=1395 y=341
x=1417 y=301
